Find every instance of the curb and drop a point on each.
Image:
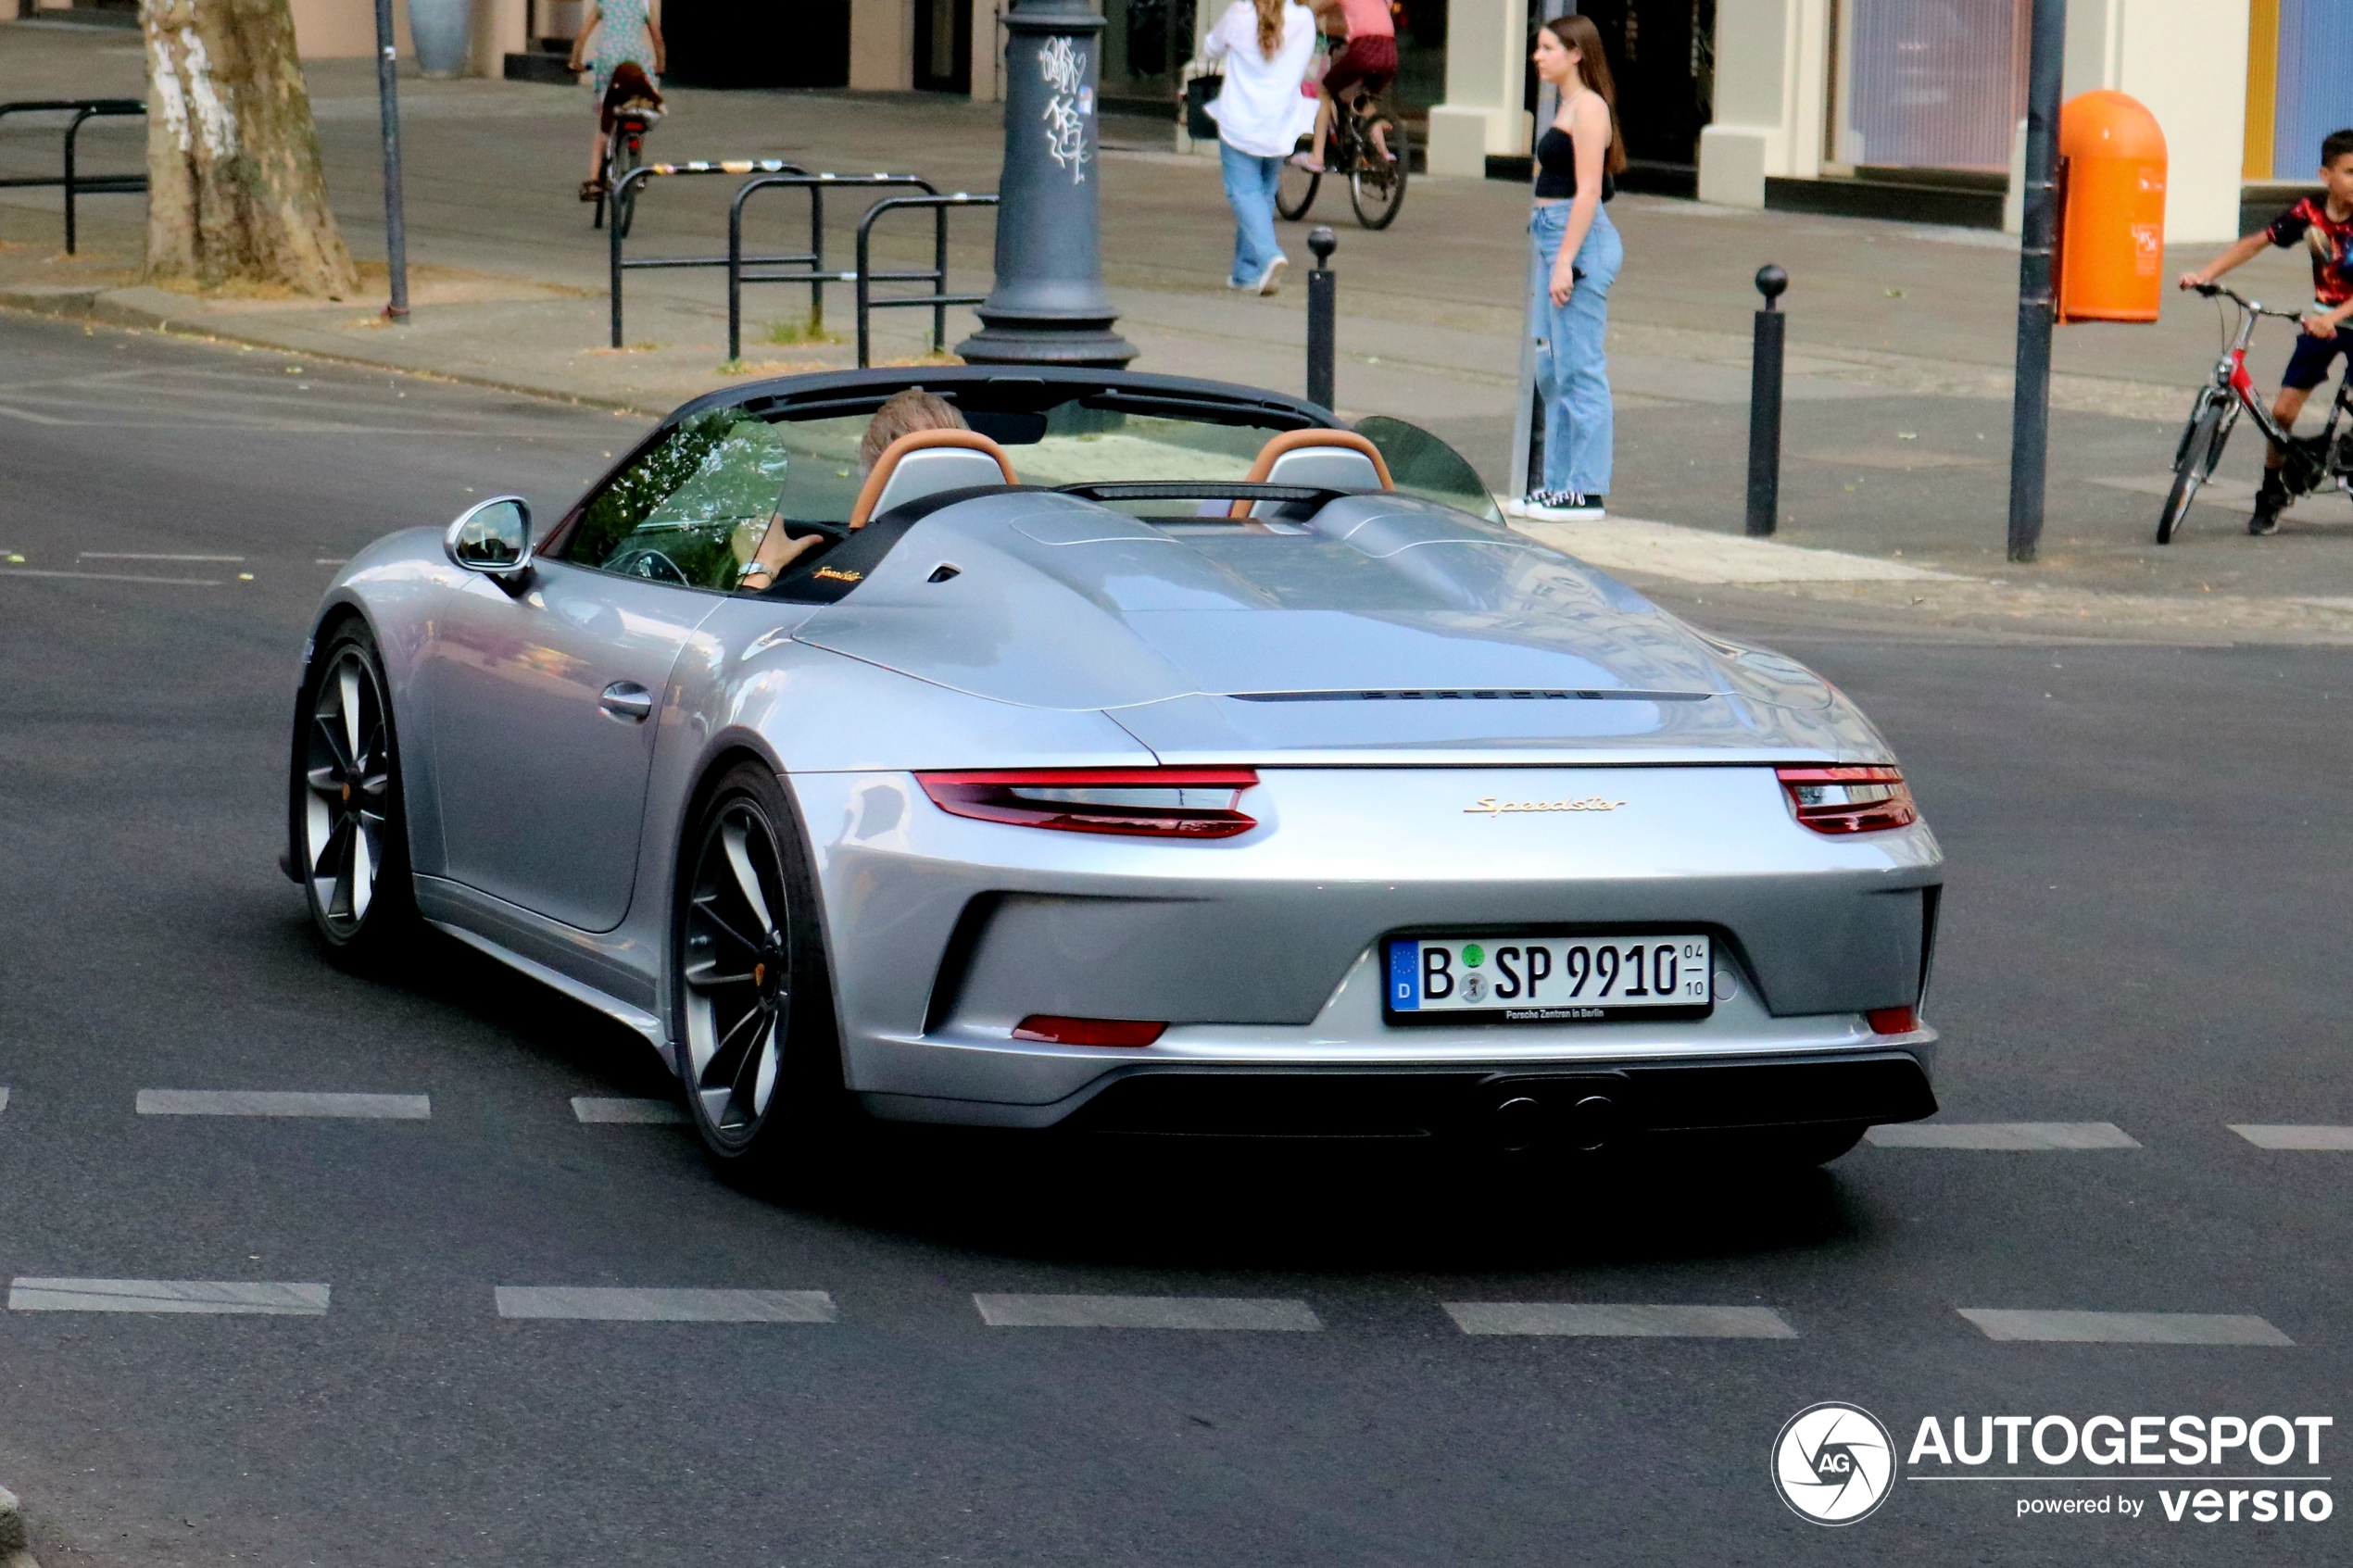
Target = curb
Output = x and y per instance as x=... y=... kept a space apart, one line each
x=14 y=1552
x=94 y=305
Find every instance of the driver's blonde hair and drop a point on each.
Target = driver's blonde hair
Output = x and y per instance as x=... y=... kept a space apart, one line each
x=903 y=413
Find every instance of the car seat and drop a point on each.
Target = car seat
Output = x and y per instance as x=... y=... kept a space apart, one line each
x=926 y=462
x=1329 y=460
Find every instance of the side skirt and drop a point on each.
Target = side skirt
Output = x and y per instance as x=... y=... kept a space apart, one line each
x=636 y=1019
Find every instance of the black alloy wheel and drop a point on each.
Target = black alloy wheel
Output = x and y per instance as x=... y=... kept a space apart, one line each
x=350 y=830
x=753 y=1004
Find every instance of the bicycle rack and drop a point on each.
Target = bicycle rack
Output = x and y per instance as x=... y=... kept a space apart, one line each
x=644 y=172
x=97 y=184
x=809 y=266
x=940 y=299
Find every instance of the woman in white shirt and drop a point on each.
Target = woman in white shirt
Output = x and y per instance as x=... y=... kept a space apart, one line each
x=1260 y=115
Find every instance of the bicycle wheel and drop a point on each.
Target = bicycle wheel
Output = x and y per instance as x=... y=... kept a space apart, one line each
x=2201 y=448
x=1295 y=190
x=1376 y=185
x=627 y=153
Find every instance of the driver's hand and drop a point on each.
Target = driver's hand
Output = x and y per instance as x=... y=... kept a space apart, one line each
x=2320 y=325
x=2194 y=280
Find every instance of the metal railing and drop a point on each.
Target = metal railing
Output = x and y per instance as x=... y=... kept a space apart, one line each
x=938 y=299
x=75 y=183
x=807 y=267
x=644 y=172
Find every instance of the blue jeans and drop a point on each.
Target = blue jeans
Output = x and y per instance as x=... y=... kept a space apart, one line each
x=1249 y=191
x=1572 y=373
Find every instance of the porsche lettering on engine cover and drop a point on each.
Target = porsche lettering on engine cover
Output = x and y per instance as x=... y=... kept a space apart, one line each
x=1096 y=761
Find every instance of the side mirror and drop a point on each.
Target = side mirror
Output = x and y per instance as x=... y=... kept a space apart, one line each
x=492 y=538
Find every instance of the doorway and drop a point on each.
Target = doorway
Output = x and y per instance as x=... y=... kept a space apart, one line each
x=727 y=44
x=943 y=45
x=1663 y=54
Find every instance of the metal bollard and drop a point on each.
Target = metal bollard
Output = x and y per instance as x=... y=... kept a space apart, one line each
x=1323 y=329
x=1765 y=406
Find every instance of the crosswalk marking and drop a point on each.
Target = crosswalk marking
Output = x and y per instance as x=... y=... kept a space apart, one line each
x=2124 y=1328
x=269 y=1300
x=2258 y=1133
x=600 y=1304
x=267 y=1102
x=1601 y=1320
x=2002 y=1135
x=1146 y=1312
x=638 y=1112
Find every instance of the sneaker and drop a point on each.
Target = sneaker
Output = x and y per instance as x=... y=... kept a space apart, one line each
x=1558 y=506
x=2270 y=502
x=1272 y=279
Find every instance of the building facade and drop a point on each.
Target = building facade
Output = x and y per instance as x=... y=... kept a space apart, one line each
x=1896 y=107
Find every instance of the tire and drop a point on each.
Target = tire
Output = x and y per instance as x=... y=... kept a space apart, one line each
x=627 y=154
x=1376 y=189
x=751 y=996
x=348 y=813
x=2201 y=449
x=1295 y=190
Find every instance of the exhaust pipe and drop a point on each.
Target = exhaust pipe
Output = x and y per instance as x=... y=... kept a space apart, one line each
x=1585 y=1123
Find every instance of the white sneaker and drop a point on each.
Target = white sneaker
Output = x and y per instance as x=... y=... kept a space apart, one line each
x=1272 y=279
x=1558 y=506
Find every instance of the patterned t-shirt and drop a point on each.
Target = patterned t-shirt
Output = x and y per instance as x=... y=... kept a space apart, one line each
x=2330 y=241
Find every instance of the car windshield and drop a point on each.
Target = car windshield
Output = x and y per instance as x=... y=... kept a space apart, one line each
x=693 y=507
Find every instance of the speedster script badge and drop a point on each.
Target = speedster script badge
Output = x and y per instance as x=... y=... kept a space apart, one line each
x=1490 y=806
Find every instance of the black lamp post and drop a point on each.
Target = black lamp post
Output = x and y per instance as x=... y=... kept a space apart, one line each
x=1048 y=306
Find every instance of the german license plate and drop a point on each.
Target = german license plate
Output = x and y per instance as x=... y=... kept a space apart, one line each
x=1548 y=979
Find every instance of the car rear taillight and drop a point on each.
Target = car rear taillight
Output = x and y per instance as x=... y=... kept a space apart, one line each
x=1843 y=801
x=1893 y=1021
x=1055 y=1030
x=1143 y=802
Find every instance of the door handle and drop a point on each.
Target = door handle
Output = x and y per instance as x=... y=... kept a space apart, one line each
x=627 y=701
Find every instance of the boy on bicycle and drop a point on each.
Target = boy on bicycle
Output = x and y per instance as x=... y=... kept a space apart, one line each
x=1367 y=64
x=2326 y=226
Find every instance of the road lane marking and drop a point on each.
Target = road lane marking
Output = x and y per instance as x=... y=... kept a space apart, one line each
x=599 y=1304
x=2124 y=1328
x=263 y=1102
x=1601 y=1320
x=631 y=1112
x=4 y=1099
x=114 y=577
x=1146 y=1312
x=143 y=555
x=262 y=1298
x=2261 y=1135
x=2002 y=1135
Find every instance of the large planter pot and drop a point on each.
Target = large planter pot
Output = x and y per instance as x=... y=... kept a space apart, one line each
x=442 y=31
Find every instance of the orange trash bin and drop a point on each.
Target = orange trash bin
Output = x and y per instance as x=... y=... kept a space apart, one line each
x=2113 y=230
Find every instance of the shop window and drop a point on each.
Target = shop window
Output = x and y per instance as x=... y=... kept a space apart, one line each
x=2314 y=85
x=1927 y=83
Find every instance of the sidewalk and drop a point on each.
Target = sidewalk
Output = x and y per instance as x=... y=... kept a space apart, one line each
x=1897 y=430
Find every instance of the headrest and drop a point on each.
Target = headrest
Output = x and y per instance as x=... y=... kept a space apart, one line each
x=925 y=462
x=1330 y=459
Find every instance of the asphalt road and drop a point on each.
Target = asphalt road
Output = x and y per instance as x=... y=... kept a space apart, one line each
x=2144 y=928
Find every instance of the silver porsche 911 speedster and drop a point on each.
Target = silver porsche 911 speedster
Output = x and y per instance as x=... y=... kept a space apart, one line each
x=1146 y=755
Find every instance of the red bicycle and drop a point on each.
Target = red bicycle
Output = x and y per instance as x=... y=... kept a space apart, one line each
x=2312 y=460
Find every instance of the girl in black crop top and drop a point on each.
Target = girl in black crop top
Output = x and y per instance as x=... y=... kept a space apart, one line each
x=1577 y=256
x=1556 y=168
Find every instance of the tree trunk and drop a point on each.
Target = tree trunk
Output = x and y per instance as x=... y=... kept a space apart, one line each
x=235 y=194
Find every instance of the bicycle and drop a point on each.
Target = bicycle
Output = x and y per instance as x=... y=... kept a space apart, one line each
x=1375 y=184
x=2312 y=460
x=624 y=150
